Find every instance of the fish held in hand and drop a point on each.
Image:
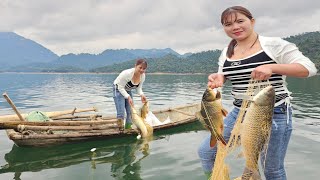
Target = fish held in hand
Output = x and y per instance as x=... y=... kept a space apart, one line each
x=144 y=112
x=211 y=115
x=256 y=129
x=144 y=128
x=138 y=122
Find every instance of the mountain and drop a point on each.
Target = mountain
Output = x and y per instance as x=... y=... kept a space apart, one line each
x=17 y=50
x=19 y=54
x=110 y=56
x=206 y=62
x=202 y=62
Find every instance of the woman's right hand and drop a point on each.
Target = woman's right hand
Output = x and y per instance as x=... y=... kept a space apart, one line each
x=215 y=80
x=130 y=100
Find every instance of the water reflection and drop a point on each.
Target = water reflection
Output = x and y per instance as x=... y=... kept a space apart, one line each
x=124 y=155
x=128 y=167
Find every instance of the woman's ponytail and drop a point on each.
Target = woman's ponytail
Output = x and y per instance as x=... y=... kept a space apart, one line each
x=231 y=46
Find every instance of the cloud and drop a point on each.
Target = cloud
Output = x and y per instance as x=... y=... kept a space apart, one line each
x=79 y=26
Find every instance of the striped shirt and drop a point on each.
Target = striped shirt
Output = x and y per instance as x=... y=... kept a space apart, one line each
x=129 y=86
x=239 y=73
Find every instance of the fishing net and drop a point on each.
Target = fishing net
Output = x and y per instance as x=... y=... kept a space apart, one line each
x=37 y=116
x=233 y=161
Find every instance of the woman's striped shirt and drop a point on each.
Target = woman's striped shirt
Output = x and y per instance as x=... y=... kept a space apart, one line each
x=239 y=73
x=129 y=86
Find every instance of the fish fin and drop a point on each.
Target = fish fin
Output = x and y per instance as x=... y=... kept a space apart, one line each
x=213 y=141
x=201 y=119
x=224 y=112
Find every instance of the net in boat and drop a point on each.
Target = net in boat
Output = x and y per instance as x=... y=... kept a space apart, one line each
x=37 y=116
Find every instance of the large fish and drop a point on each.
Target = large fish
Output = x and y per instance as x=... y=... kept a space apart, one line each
x=211 y=115
x=144 y=112
x=139 y=123
x=256 y=129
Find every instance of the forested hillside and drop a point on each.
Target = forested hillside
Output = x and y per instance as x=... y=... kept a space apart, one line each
x=206 y=62
x=203 y=62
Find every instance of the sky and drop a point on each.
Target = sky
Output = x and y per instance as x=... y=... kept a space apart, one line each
x=83 y=26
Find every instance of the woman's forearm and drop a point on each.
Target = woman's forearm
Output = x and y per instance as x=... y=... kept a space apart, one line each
x=293 y=70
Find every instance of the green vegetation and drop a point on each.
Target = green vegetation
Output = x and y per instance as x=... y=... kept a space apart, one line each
x=206 y=62
x=203 y=62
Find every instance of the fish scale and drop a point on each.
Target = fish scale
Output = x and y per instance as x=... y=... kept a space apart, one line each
x=256 y=129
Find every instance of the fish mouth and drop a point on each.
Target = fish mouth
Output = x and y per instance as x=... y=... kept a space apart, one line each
x=210 y=95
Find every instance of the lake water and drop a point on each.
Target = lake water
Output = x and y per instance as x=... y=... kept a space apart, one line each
x=171 y=154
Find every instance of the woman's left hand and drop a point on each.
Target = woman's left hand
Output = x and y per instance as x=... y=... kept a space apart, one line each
x=262 y=72
x=143 y=99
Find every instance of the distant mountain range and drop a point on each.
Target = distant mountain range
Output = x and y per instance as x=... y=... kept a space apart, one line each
x=23 y=55
x=18 y=54
x=111 y=56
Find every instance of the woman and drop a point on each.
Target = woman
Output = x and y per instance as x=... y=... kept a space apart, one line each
x=250 y=55
x=126 y=81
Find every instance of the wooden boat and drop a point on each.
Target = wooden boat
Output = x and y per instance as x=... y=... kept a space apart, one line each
x=66 y=129
x=116 y=152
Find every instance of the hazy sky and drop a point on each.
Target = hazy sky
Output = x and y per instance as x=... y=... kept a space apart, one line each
x=83 y=26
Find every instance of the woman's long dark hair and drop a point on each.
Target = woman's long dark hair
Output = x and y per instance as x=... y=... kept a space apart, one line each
x=232 y=11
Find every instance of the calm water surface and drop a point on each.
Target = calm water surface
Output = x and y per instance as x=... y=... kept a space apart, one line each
x=171 y=154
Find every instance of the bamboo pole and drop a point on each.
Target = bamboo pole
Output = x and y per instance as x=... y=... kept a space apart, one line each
x=64 y=128
x=51 y=114
x=11 y=124
x=93 y=116
x=61 y=113
x=5 y=95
